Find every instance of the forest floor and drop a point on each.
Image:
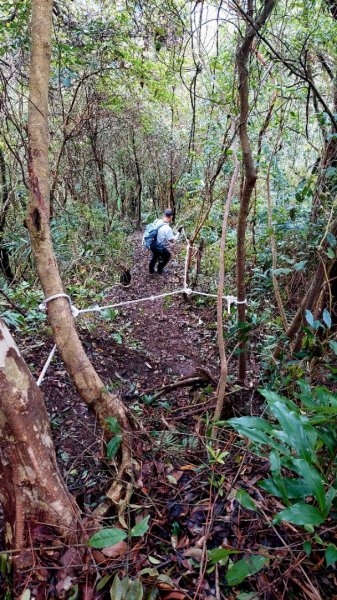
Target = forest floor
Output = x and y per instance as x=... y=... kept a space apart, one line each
x=189 y=493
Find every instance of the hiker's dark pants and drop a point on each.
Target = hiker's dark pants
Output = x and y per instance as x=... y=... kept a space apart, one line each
x=161 y=256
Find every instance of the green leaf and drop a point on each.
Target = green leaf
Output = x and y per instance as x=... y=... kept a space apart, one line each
x=330 y=253
x=300 y=265
x=309 y=318
x=300 y=514
x=113 y=445
x=113 y=425
x=333 y=346
x=25 y=595
x=312 y=479
x=74 y=593
x=307 y=547
x=218 y=554
x=140 y=528
x=116 y=590
x=244 y=568
x=245 y=500
x=331 y=237
x=296 y=431
x=107 y=537
x=275 y=463
x=327 y=318
x=331 y=555
x=102 y=582
x=286 y=488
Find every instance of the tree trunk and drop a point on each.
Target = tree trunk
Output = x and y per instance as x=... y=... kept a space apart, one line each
x=79 y=367
x=32 y=491
x=249 y=172
x=4 y=254
x=139 y=186
x=221 y=342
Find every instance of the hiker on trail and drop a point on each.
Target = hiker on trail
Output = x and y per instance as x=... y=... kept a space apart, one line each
x=159 y=247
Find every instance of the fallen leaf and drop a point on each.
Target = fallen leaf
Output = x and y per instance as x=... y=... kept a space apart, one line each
x=195 y=553
x=187 y=467
x=116 y=550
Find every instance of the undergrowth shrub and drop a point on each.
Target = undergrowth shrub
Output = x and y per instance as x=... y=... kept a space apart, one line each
x=300 y=441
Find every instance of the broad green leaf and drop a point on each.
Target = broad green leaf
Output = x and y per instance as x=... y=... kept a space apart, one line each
x=255 y=435
x=140 y=528
x=327 y=318
x=289 y=488
x=252 y=423
x=245 y=500
x=312 y=479
x=272 y=397
x=113 y=445
x=244 y=568
x=218 y=554
x=331 y=555
x=329 y=498
x=275 y=463
x=300 y=435
x=300 y=514
x=107 y=537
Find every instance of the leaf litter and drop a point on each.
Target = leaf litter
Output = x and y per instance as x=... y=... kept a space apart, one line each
x=210 y=531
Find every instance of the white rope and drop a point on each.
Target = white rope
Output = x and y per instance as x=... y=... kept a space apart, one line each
x=45 y=368
x=43 y=305
x=185 y=290
x=76 y=312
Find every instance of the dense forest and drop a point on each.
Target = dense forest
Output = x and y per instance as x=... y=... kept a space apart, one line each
x=168 y=434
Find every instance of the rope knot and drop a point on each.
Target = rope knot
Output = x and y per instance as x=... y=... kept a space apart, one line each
x=43 y=306
x=187 y=291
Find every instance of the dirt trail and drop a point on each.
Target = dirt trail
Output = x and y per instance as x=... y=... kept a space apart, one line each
x=141 y=348
x=171 y=332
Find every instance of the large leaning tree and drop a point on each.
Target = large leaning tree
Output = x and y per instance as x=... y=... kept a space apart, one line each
x=32 y=491
x=79 y=367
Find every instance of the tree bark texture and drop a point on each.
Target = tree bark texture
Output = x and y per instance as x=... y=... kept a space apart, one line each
x=31 y=487
x=249 y=170
x=79 y=367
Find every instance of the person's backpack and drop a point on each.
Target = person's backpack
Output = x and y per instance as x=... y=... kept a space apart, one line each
x=150 y=235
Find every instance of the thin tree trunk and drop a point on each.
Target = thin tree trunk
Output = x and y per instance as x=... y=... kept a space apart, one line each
x=274 y=254
x=79 y=367
x=32 y=490
x=139 y=186
x=249 y=172
x=221 y=343
x=4 y=254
